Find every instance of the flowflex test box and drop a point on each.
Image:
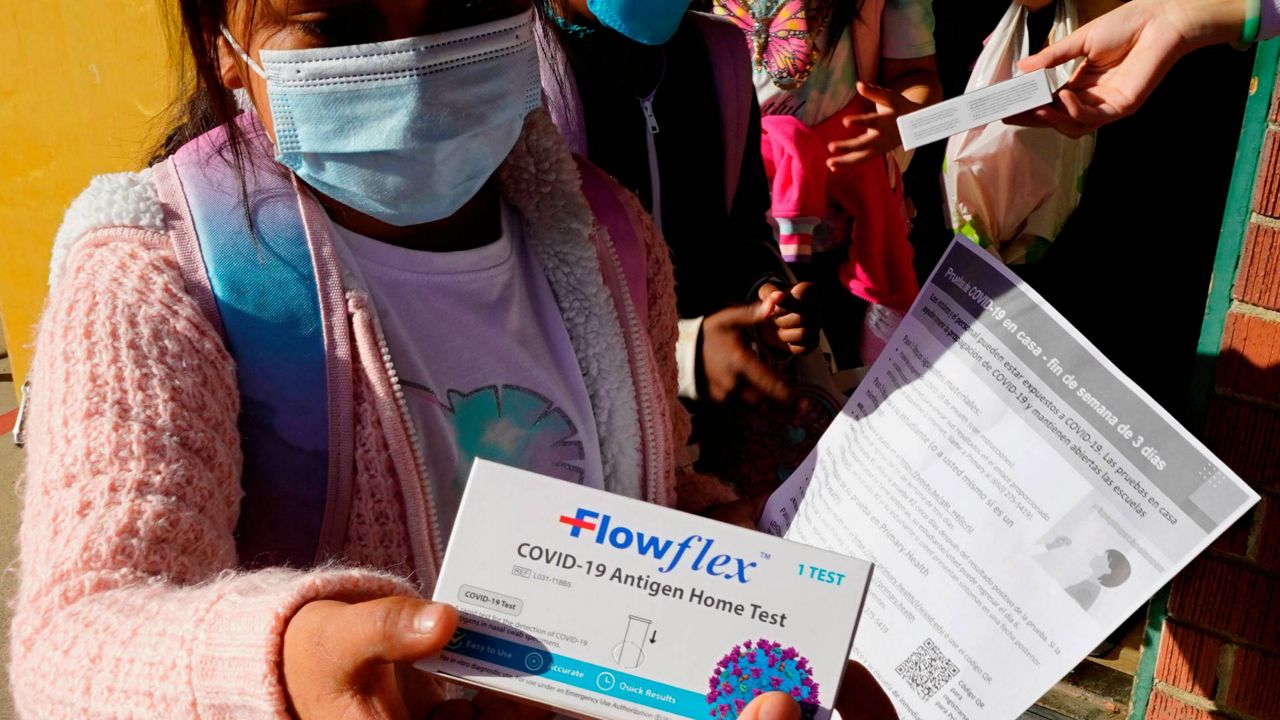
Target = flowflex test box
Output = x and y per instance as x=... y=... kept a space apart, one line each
x=601 y=606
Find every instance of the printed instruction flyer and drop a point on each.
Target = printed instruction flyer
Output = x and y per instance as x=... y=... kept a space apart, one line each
x=1019 y=496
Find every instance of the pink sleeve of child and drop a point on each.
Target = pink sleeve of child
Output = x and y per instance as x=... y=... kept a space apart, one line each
x=795 y=161
x=128 y=601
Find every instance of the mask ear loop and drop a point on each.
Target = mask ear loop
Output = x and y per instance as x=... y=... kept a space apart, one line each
x=253 y=65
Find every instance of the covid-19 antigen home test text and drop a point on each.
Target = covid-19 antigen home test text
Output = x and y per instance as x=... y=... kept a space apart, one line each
x=606 y=607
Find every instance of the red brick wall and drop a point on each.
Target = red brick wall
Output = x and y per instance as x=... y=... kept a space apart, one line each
x=1219 y=656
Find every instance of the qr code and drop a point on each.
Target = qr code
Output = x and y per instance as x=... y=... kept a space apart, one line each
x=927 y=669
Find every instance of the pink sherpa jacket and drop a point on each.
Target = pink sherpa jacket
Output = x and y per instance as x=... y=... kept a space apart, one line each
x=130 y=600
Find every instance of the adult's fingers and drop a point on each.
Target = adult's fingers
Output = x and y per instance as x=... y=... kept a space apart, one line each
x=1085 y=116
x=1062 y=122
x=1026 y=119
x=1065 y=50
x=771 y=706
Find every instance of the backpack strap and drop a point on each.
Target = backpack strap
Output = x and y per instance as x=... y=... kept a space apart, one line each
x=735 y=91
x=258 y=288
x=603 y=196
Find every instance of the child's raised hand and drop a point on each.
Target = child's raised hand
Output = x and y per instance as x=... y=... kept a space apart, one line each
x=794 y=326
x=341 y=660
x=877 y=132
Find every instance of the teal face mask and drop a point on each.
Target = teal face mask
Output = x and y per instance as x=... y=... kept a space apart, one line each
x=405 y=131
x=651 y=22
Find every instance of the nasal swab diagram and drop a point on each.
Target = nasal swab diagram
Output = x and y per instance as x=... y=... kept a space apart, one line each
x=630 y=652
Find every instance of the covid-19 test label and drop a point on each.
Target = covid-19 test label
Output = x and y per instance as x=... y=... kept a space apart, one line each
x=607 y=607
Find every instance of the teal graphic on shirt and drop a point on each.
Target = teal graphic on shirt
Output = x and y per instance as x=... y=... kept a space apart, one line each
x=511 y=425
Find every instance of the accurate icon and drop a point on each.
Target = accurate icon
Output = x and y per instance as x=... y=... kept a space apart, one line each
x=534 y=661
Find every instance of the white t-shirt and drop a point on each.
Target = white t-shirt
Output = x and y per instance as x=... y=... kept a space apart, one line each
x=906 y=32
x=483 y=357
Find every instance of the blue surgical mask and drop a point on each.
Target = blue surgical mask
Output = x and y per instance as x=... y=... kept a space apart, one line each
x=651 y=22
x=405 y=131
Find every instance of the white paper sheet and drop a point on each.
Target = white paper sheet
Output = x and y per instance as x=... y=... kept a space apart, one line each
x=1019 y=496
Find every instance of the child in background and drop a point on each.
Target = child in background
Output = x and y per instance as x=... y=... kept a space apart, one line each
x=662 y=99
x=832 y=77
x=644 y=89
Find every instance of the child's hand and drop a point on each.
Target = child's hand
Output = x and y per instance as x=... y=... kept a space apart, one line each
x=730 y=367
x=795 y=321
x=879 y=130
x=349 y=661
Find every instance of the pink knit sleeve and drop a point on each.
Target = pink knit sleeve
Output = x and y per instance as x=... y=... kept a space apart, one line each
x=128 y=600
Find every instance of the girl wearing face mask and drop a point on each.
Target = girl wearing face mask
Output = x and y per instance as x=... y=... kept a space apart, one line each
x=363 y=259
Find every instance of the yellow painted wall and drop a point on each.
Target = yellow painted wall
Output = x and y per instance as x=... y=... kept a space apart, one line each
x=82 y=84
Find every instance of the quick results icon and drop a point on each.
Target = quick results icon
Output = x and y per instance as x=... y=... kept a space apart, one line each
x=608 y=532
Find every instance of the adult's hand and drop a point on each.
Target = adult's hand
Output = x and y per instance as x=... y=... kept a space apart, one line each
x=1126 y=54
x=859 y=698
x=351 y=661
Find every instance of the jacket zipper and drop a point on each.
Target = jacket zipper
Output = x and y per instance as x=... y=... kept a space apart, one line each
x=415 y=444
x=651 y=128
x=652 y=448
x=655 y=179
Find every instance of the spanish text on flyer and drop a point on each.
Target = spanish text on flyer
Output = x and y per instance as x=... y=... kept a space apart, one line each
x=1019 y=496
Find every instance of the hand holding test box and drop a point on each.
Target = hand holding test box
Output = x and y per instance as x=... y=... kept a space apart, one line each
x=602 y=606
x=975 y=109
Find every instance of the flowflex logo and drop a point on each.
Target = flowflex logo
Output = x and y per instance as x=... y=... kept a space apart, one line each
x=609 y=532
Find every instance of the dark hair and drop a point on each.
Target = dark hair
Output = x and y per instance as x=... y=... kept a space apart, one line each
x=547 y=11
x=1120 y=570
x=203 y=103
x=843 y=13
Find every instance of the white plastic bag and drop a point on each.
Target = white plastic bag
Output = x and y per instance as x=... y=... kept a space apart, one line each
x=1009 y=188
